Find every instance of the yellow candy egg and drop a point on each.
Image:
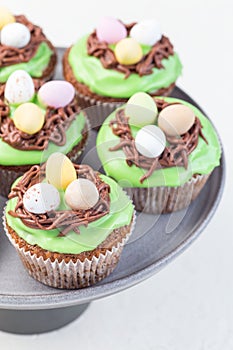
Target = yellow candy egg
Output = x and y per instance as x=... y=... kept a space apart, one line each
x=29 y=118
x=60 y=171
x=6 y=17
x=128 y=51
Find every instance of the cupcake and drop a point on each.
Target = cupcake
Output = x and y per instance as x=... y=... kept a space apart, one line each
x=68 y=223
x=162 y=151
x=23 y=45
x=36 y=120
x=117 y=60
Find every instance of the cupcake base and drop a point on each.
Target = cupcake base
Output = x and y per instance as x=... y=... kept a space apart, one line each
x=9 y=174
x=105 y=105
x=66 y=271
x=164 y=200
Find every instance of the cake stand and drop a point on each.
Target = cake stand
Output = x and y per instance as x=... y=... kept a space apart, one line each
x=28 y=307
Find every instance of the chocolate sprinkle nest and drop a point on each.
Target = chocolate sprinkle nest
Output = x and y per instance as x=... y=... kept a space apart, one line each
x=65 y=220
x=162 y=49
x=176 y=154
x=57 y=121
x=12 y=55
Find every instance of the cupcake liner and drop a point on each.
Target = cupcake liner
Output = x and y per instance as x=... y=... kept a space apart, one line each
x=70 y=275
x=96 y=111
x=161 y=200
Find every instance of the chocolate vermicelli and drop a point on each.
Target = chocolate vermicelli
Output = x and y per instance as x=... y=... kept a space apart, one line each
x=176 y=154
x=12 y=55
x=65 y=220
x=153 y=59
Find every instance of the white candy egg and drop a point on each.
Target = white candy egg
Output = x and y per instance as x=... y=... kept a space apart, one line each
x=19 y=87
x=150 y=141
x=81 y=194
x=41 y=198
x=147 y=32
x=15 y=35
x=141 y=109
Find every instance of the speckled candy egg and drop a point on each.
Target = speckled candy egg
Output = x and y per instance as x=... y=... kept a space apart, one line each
x=15 y=35
x=147 y=32
x=60 y=171
x=6 y=17
x=81 y=194
x=141 y=109
x=150 y=141
x=128 y=51
x=41 y=198
x=176 y=119
x=19 y=87
x=56 y=93
x=110 y=30
x=29 y=118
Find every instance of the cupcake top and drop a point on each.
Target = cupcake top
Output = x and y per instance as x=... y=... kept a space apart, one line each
x=23 y=45
x=117 y=59
x=37 y=119
x=157 y=142
x=66 y=208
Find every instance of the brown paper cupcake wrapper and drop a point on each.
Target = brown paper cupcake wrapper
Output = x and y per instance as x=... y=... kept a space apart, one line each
x=161 y=200
x=8 y=176
x=70 y=275
x=96 y=111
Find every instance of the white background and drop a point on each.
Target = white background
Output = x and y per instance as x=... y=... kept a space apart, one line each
x=189 y=305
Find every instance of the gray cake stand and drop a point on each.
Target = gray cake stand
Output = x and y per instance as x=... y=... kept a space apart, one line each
x=28 y=307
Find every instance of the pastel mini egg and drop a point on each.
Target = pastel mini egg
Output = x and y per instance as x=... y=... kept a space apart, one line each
x=6 y=17
x=128 y=51
x=19 y=87
x=29 y=118
x=147 y=32
x=81 y=194
x=176 y=119
x=110 y=30
x=56 y=93
x=141 y=109
x=150 y=141
x=15 y=35
x=41 y=198
x=60 y=171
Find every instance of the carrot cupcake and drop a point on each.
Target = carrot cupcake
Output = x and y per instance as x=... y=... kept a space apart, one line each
x=36 y=120
x=23 y=45
x=69 y=230
x=117 y=60
x=162 y=151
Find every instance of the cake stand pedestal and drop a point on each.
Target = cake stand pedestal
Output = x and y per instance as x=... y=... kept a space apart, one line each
x=29 y=307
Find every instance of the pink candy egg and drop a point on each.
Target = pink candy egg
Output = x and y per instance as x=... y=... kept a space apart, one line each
x=111 y=30
x=56 y=93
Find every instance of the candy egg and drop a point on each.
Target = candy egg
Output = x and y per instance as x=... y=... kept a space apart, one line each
x=150 y=141
x=56 y=93
x=176 y=119
x=60 y=171
x=81 y=194
x=15 y=35
x=6 y=17
x=147 y=32
x=19 y=87
x=28 y=118
x=41 y=198
x=110 y=30
x=128 y=51
x=141 y=109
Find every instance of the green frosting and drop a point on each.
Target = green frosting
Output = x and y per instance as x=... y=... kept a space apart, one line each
x=13 y=156
x=108 y=82
x=35 y=67
x=121 y=212
x=201 y=161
